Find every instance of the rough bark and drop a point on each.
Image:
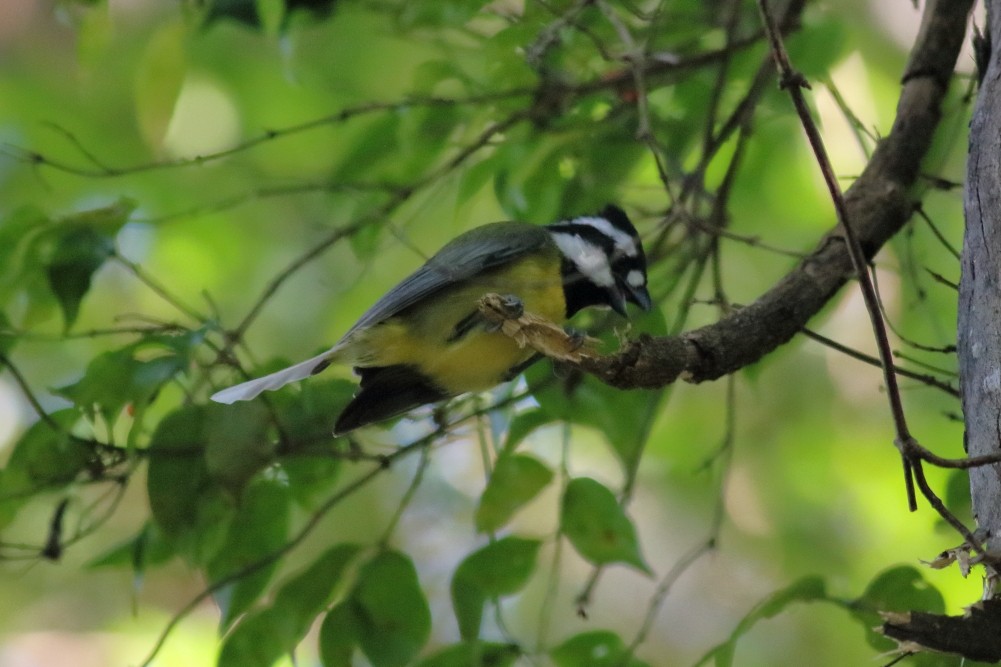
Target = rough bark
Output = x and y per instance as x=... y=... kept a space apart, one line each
x=979 y=326
x=975 y=635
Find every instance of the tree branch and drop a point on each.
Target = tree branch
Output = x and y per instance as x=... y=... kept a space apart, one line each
x=879 y=205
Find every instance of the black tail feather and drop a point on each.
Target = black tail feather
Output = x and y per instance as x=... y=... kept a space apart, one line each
x=387 y=391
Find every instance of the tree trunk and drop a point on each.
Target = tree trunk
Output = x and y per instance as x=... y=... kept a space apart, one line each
x=979 y=326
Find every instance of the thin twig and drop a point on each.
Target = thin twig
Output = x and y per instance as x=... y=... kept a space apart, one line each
x=29 y=394
x=408 y=495
x=157 y=287
x=873 y=361
x=383 y=212
x=935 y=230
x=794 y=82
x=102 y=170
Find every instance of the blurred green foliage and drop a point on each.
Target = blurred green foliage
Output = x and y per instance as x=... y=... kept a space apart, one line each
x=194 y=193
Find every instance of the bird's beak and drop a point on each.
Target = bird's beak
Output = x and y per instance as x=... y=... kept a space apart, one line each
x=620 y=295
x=640 y=296
x=617 y=300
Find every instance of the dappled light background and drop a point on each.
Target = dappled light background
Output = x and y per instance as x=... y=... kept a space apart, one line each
x=808 y=480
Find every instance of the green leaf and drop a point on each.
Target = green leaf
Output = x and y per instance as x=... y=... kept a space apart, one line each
x=130 y=375
x=902 y=588
x=899 y=588
x=7 y=336
x=81 y=244
x=260 y=14
x=365 y=241
x=465 y=654
x=597 y=527
x=237 y=445
x=258 y=530
x=258 y=641
x=597 y=648
x=516 y=479
x=263 y=636
x=957 y=496
x=624 y=417
x=394 y=617
x=147 y=548
x=178 y=475
x=807 y=589
x=373 y=145
x=339 y=635
x=523 y=424
x=305 y=595
x=822 y=43
x=241 y=11
x=414 y=15
x=423 y=134
x=159 y=75
x=474 y=178
x=43 y=259
x=43 y=459
x=500 y=568
x=307 y=423
x=22 y=264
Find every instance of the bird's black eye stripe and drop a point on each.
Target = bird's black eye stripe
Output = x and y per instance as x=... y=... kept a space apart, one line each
x=626 y=263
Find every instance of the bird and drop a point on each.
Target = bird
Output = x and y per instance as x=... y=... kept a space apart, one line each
x=425 y=339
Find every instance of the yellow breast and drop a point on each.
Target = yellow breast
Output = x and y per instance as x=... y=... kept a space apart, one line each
x=480 y=359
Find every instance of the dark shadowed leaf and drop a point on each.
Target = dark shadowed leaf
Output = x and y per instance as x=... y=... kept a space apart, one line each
x=256 y=533
x=900 y=588
x=178 y=474
x=597 y=648
x=43 y=459
x=807 y=589
x=307 y=419
x=464 y=654
x=258 y=641
x=237 y=445
x=339 y=635
x=264 y=635
x=394 y=620
x=248 y=12
x=80 y=244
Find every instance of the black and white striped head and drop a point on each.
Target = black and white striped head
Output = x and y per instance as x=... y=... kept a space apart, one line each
x=603 y=261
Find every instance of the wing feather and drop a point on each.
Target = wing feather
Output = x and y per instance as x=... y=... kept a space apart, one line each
x=250 y=389
x=465 y=256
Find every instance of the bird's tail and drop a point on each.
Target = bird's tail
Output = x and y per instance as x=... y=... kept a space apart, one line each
x=250 y=389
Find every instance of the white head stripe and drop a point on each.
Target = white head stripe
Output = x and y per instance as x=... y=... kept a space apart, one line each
x=635 y=278
x=624 y=242
x=590 y=260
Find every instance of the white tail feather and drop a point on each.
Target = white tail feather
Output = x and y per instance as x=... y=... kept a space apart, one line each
x=250 y=389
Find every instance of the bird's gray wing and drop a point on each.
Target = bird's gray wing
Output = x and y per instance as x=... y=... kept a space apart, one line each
x=477 y=250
